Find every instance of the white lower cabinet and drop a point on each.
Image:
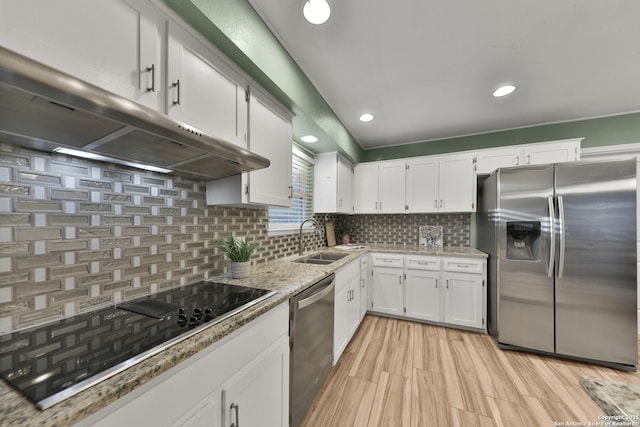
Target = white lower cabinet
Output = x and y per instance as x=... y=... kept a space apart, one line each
x=259 y=394
x=245 y=375
x=464 y=292
x=347 y=312
x=422 y=288
x=386 y=287
x=448 y=290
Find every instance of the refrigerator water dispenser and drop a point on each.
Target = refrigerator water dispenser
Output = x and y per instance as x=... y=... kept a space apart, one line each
x=522 y=240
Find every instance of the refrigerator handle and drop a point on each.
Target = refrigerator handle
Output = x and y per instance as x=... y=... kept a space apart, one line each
x=561 y=236
x=552 y=229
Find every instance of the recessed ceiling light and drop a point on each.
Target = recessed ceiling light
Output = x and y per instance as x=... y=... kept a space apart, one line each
x=366 y=117
x=504 y=90
x=309 y=139
x=316 y=11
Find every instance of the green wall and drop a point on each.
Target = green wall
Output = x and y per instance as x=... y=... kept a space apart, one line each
x=624 y=129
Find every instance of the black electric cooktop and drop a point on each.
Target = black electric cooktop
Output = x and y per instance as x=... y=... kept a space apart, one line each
x=53 y=362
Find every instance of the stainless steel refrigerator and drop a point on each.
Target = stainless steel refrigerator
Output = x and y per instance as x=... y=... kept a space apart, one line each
x=562 y=265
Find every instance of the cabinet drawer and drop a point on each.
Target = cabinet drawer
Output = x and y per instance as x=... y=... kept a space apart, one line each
x=387 y=260
x=463 y=265
x=422 y=263
x=364 y=262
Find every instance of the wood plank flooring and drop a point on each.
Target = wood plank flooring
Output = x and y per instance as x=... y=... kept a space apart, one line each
x=401 y=373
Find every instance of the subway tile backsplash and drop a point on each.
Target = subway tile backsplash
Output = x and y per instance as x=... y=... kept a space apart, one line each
x=76 y=235
x=401 y=229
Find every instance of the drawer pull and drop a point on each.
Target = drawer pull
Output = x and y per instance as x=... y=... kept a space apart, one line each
x=463 y=265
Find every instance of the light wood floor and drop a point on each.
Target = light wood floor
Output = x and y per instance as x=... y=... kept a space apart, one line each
x=401 y=373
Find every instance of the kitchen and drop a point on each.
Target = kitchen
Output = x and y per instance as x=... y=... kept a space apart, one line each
x=129 y=215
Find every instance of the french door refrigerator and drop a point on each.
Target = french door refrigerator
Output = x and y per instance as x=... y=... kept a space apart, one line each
x=562 y=259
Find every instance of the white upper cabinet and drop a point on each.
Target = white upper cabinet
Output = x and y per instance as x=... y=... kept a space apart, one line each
x=441 y=184
x=202 y=91
x=422 y=184
x=365 y=188
x=391 y=187
x=333 y=184
x=270 y=136
x=457 y=185
x=566 y=150
x=115 y=45
x=379 y=187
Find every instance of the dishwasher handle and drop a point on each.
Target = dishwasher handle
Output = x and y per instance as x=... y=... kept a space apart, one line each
x=317 y=296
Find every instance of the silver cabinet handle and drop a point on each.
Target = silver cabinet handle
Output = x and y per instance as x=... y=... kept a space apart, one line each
x=440 y=202
x=362 y=286
x=176 y=84
x=447 y=283
x=436 y=283
x=561 y=226
x=463 y=265
x=528 y=159
x=380 y=205
x=236 y=407
x=152 y=69
x=400 y=279
x=435 y=203
x=552 y=230
x=376 y=205
x=517 y=160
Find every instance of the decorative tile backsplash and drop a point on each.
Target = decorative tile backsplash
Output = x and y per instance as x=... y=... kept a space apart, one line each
x=76 y=235
x=400 y=229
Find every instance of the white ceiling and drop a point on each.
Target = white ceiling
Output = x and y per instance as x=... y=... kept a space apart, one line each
x=427 y=68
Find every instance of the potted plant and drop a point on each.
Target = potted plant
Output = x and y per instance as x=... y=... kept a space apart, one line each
x=239 y=251
x=344 y=232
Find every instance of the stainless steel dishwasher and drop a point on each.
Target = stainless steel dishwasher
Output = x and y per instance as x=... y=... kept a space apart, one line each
x=311 y=335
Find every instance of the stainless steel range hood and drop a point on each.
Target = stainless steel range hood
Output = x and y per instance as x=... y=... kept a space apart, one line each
x=45 y=109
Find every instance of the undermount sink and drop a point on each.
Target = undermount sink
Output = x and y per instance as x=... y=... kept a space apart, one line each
x=321 y=258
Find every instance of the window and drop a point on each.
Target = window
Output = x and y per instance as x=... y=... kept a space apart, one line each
x=283 y=220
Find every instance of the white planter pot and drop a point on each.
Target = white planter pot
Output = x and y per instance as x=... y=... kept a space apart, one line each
x=240 y=270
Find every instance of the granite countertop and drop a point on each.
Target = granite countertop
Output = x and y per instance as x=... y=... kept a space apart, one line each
x=283 y=275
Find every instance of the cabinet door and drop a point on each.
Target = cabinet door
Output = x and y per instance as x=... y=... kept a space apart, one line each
x=387 y=290
x=364 y=288
x=201 y=90
x=555 y=152
x=341 y=332
x=345 y=186
x=270 y=136
x=354 y=304
x=422 y=295
x=457 y=185
x=391 y=187
x=365 y=188
x=325 y=183
x=422 y=185
x=463 y=299
x=495 y=158
x=107 y=43
x=259 y=394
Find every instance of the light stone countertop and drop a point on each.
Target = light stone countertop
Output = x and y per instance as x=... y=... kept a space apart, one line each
x=284 y=276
